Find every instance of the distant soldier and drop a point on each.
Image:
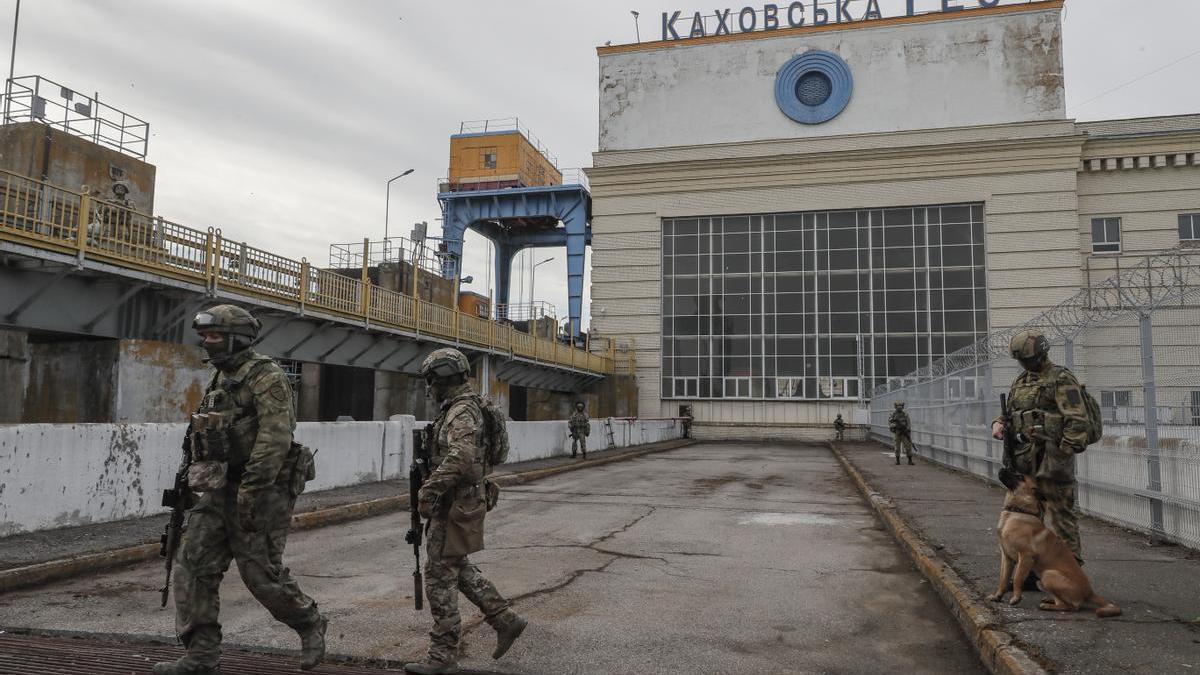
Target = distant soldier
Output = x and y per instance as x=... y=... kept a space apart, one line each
x=901 y=430
x=455 y=498
x=1047 y=407
x=839 y=425
x=685 y=411
x=581 y=428
x=246 y=478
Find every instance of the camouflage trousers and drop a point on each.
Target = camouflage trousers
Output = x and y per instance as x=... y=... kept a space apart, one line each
x=445 y=577
x=839 y=434
x=1058 y=504
x=212 y=539
x=578 y=442
x=902 y=440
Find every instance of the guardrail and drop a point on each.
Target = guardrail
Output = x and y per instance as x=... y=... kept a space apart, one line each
x=50 y=218
x=34 y=98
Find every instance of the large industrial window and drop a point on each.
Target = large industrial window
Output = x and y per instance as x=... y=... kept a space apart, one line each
x=817 y=305
x=1106 y=235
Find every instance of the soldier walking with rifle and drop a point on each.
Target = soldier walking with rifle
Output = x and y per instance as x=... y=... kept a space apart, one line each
x=238 y=483
x=901 y=430
x=464 y=443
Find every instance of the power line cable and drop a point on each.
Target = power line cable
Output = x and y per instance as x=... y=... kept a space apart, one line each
x=1133 y=81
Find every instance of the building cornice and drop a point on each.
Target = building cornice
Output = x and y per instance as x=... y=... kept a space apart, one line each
x=1035 y=6
x=969 y=158
x=838 y=143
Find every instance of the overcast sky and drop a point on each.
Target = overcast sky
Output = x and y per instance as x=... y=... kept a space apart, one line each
x=280 y=121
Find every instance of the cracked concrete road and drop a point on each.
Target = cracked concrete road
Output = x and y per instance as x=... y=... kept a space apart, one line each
x=716 y=558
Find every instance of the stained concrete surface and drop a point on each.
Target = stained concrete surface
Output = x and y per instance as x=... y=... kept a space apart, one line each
x=1155 y=585
x=30 y=548
x=709 y=559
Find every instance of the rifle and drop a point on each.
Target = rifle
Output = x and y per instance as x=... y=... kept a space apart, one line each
x=416 y=476
x=1012 y=438
x=177 y=499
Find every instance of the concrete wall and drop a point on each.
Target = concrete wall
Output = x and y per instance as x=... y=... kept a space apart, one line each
x=60 y=475
x=952 y=72
x=158 y=381
x=72 y=382
x=96 y=381
x=14 y=374
x=35 y=150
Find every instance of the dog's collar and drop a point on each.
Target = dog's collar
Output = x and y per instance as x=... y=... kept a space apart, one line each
x=1013 y=509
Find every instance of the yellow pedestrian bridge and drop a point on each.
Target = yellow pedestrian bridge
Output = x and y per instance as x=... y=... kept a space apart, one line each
x=75 y=264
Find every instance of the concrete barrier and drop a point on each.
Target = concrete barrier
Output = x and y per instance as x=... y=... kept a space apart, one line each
x=541 y=440
x=62 y=475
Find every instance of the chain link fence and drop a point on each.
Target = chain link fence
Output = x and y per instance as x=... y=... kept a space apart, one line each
x=1134 y=341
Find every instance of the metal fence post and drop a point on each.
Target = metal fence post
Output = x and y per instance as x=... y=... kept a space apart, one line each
x=1069 y=348
x=1150 y=402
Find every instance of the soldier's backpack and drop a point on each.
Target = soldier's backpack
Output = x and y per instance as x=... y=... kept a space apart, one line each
x=1095 y=422
x=496 y=425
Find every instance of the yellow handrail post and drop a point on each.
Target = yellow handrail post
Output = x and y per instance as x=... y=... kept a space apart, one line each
x=364 y=299
x=208 y=251
x=416 y=266
x=81 y=233
x=304 y=272
x=216 y=273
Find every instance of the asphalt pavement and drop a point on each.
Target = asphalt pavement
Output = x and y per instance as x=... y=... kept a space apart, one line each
x=715 y=558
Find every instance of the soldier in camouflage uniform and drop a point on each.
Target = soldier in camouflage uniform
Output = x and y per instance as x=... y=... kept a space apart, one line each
x=901 y=429
x=839 y=426
x=1048 y=411
x=453 y=499
x=580 y=427
x=243 y=504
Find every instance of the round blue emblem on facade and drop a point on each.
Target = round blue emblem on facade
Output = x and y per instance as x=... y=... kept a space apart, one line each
x=814 y=87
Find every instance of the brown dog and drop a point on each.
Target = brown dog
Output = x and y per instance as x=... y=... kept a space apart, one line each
x=1026 y=541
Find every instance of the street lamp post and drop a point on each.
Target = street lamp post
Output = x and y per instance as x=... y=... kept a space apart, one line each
x=532 y=280
x=387 y=205
x=12 y=64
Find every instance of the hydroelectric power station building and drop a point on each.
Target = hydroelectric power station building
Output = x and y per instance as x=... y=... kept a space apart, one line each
x=784 y=219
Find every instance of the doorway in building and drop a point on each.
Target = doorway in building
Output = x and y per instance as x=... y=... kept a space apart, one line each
x=518 y=403
x=347 y=392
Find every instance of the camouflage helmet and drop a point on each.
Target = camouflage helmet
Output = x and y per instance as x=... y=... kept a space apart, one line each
x=898 y=404
x=229 y=319
x=579 y=405
x=1029 y=344
x=445 y=363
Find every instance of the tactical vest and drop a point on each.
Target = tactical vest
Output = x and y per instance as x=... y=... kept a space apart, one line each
x=1033 y=406
x=228 y=395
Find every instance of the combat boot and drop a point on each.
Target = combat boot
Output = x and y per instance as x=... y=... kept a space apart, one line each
x=185 y=666
x=897 y=460
x=910 y=462
x=431 y=667
x=312 y=644
x=507 y=634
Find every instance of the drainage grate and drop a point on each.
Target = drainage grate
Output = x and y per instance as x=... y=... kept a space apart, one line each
x=28 y=655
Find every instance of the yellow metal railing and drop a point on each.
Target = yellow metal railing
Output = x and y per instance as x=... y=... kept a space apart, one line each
x=49 y=218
